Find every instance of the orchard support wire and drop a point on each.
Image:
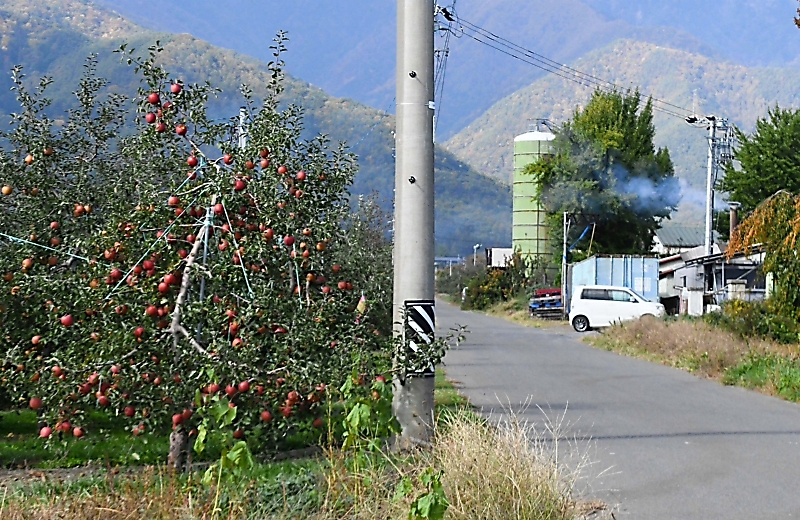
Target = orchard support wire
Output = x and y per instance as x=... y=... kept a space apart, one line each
x=236 y=245
x=23 y=241
x=164 y=235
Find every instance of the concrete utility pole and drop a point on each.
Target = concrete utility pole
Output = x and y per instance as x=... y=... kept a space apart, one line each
x=413 y=308
x=712 y=141
x=564 y=269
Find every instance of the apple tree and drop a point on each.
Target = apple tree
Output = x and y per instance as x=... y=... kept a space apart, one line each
x=187 y=263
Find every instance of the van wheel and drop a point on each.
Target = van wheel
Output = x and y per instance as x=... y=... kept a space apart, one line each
x=580 y=323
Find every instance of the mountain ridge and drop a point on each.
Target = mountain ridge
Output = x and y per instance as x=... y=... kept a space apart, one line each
x=347 y=46
x=54 y=36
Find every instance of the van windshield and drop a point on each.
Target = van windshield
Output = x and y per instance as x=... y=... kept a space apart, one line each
x=639 y=295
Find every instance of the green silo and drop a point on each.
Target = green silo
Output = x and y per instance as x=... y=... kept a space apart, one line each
x=529 y=227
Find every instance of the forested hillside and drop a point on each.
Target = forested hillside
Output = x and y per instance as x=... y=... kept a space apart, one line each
x=739 y=93
x=53 y=37
x=347 y=46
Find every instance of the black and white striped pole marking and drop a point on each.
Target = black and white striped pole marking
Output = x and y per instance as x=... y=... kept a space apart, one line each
x=420 y=328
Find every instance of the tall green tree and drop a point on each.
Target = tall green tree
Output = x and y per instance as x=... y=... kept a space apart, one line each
x=607 y=169
x=768 y=159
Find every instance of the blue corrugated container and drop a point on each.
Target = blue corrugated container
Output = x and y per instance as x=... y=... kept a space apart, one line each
x=634 y=272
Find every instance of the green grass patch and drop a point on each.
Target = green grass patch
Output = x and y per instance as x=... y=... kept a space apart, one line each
x=446 y=395
x=106 y=443
x=779 y=375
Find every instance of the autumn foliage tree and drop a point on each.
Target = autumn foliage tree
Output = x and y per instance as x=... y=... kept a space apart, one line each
x=151 y=273
x=775 y=226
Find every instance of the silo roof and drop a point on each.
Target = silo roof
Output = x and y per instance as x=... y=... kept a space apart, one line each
x=535 y=136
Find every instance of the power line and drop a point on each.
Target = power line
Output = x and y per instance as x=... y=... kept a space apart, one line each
x=380 y=119
x=530 y=57
x=554 y=63
x=568 y=77
x=442 y=56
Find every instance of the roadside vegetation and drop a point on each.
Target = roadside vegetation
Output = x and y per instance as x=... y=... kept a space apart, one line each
x=476 y=287
x=464 y=475
x=726 y=347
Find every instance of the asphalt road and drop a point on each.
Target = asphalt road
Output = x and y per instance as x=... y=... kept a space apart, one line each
x=664 y=443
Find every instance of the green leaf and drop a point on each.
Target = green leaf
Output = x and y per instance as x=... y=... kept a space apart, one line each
x=403 y=489
x=208 y=476
x=200 y=442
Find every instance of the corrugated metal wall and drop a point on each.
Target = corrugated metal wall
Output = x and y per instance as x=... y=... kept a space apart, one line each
x=634 y=272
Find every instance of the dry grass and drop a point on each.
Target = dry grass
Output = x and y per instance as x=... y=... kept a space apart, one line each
x=694 y=346
x=490 y=473
x=503 y=472
x=152 y=495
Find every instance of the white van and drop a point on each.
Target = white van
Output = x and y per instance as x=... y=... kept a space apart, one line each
x=601 y=305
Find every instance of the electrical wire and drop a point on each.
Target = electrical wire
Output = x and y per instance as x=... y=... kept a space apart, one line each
x=544 y=59
x=530 y=57
x=441 y=70
x=384 y=115
x=570 y=77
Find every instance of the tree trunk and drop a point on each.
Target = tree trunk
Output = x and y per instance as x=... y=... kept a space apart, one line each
x=178 y=458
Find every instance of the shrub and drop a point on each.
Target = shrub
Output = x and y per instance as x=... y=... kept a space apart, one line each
x=762 y=319
x=452 y=284
x=493 y=286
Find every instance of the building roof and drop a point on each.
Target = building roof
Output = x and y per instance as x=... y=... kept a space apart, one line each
x=679 y=236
